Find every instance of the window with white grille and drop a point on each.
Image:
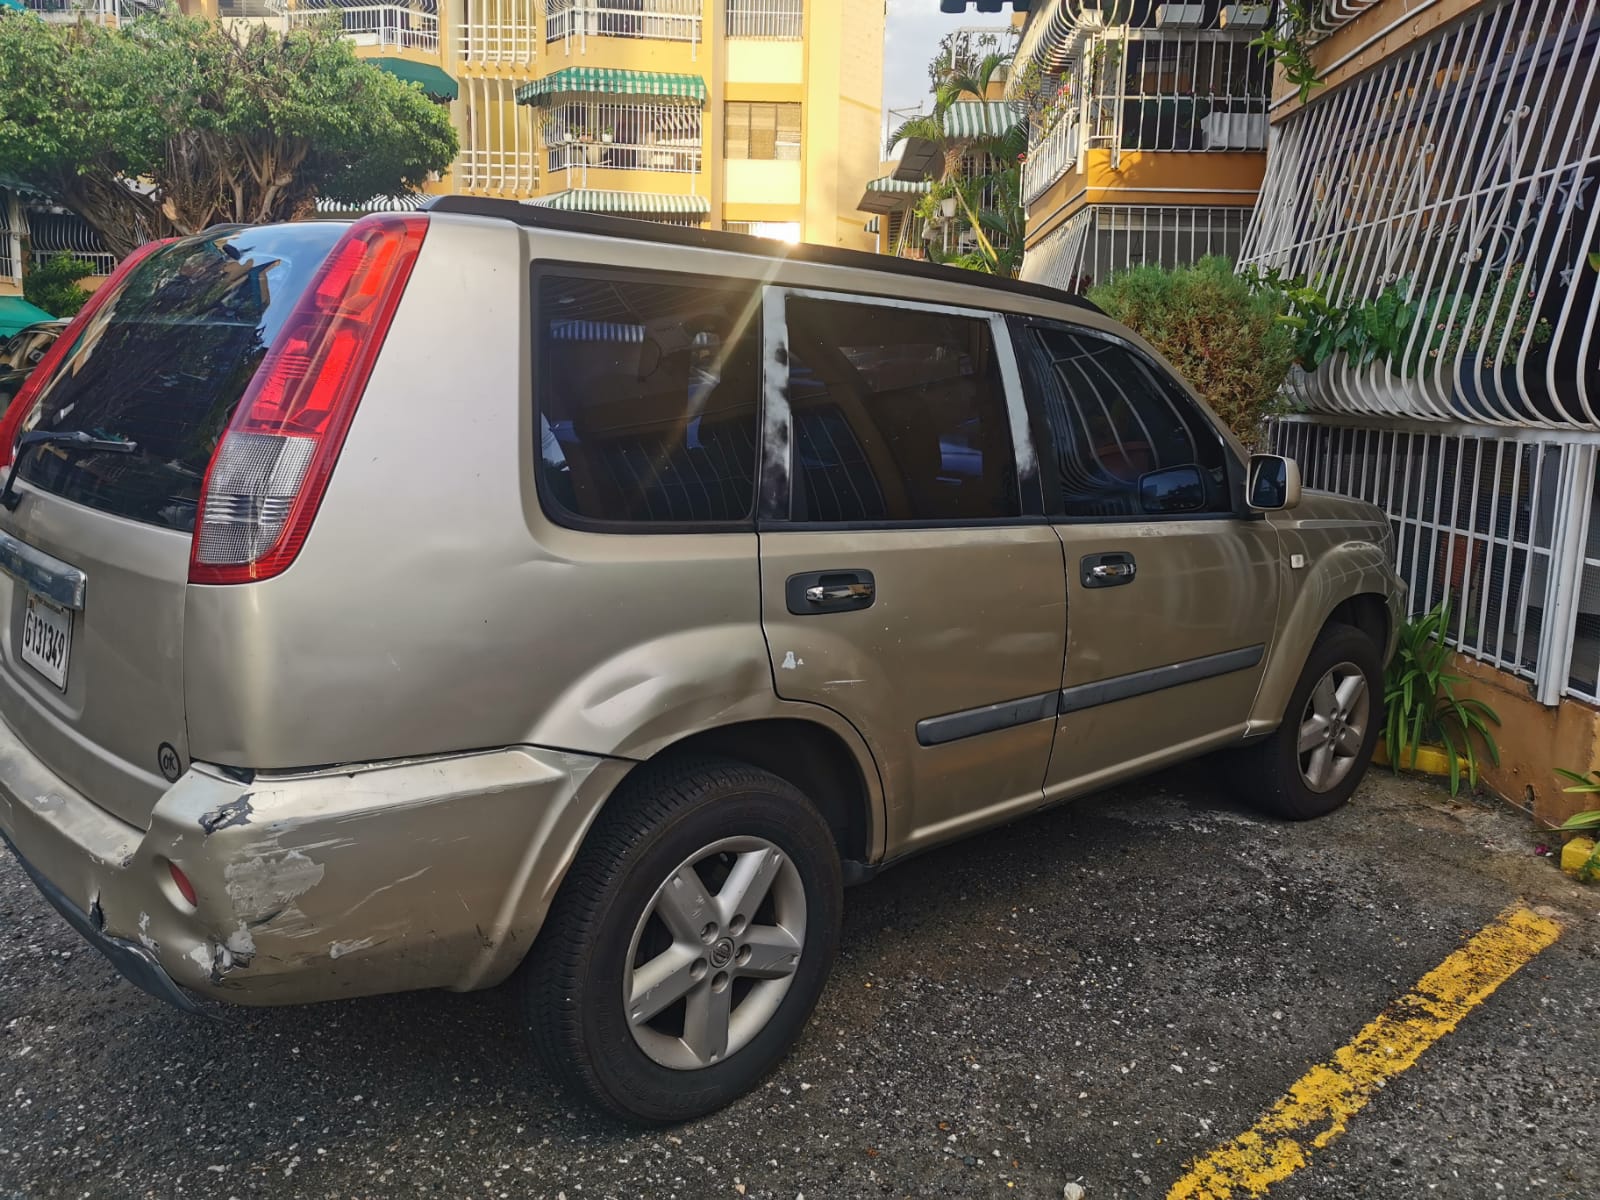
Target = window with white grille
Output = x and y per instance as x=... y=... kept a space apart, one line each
x=590 y=132
x=765 y=18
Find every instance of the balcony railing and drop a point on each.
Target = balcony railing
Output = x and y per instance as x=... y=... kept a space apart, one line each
x=775 y=19
x=1053 y=157
x=404 y=27
x=100 y=12
x=498 y=31
x=660 y=20
x=675 y=159
x=510 y=171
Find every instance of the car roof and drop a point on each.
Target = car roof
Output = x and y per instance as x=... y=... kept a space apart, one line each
x=711 y=239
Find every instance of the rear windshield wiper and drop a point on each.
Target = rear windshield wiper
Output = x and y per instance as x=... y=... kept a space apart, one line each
x=76 y=440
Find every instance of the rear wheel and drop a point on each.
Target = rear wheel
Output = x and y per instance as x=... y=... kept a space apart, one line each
x=689 y=942
x=1313 y=762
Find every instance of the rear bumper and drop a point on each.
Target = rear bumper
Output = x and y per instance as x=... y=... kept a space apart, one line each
x=373 y=878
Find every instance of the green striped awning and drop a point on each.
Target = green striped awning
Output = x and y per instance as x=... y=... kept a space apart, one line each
x=889 y=194
x=433 y=80
x=980 y=118
x=889 y=183
x=625 y=203
x=16 y=4
x=611 y=81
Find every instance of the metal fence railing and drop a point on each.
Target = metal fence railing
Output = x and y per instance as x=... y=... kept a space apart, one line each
x=1456 y=179
x=499 y=144
x=777 y=19
x=660 y=20
x=1102 y=239
x=1051 y=158
x=621 y=135
x=1500 y=526
x=52 y=233
x=403 y=26
x=503 y=32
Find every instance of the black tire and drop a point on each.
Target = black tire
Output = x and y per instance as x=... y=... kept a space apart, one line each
x=1269 y=773
x=572 y=982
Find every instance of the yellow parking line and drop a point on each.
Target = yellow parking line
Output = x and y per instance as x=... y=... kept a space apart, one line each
x=1316 y=1108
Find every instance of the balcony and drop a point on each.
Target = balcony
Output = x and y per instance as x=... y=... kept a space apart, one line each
x=1054 y=155
x=412 y=26
x=776 y=20
x=617 y=136
x=498 y=32
x=99 y=12
x=658 y=20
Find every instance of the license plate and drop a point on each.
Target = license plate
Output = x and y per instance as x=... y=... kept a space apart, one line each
x=47 y=639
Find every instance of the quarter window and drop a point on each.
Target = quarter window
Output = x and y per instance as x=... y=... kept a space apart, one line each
x=899 y=415
x=1114 y=419
x=647 y=401
x=757 y=130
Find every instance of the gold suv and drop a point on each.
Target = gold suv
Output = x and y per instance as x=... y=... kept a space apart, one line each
x=494 y=591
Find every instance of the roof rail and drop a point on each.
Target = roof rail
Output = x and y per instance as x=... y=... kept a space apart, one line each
x=710 y=239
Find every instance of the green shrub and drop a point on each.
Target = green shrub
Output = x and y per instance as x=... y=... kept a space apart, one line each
x=52 y=284
x=1421 y=706
x=1221 y=335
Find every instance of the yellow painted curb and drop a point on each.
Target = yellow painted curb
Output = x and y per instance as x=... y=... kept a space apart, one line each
x=1425 y=760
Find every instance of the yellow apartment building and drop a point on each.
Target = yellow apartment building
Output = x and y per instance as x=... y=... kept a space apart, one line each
x=1147 y=142
x=758 y=116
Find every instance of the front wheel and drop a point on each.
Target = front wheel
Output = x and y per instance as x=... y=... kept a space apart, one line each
x=1312 y=763
x=689 y=941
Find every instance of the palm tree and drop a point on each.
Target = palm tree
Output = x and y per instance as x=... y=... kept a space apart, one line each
x=977 y=195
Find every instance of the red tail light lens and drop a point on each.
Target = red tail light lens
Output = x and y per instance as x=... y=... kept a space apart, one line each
x=272 y=465
x=181 y=882
x=27 y=399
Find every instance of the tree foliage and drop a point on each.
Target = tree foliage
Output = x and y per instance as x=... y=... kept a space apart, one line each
x=53 y=284
x=1222 y=336
x=168 y=124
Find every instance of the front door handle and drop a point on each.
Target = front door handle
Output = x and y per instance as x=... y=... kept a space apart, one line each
x=829 y=591
x=1112 y=569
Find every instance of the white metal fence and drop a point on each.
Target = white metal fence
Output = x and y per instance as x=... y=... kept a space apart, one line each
x=1051 y=158
x=413 y=26
x=52 y=233
x=783 y=19
x=498 y=31
x=1105 y=238
x=1459 y=179
x=1499 y=526
x=661 y=20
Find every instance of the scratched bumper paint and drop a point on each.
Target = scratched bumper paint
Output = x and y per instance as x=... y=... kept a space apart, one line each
x=426 y=873
x=1318 y=1107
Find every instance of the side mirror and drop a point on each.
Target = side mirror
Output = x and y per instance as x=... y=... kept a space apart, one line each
x=1172 y=490
x=1274 y=482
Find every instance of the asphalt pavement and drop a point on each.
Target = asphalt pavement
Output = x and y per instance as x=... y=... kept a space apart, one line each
x=1097 y=995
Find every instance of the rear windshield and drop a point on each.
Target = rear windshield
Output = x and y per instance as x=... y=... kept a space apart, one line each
x=164 y=363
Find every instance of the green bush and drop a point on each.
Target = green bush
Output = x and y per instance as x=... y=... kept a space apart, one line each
x=52 y=284
x=1223 y=336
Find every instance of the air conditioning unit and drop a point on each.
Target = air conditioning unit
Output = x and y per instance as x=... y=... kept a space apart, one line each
x=1245 y=16
x=1180 y=16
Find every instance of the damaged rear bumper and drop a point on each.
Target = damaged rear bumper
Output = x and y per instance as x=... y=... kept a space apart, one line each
x=316 y=885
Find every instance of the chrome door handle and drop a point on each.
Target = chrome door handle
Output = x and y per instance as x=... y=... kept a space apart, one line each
x=1110 y=569
x=1116 y=570
x=832 y=593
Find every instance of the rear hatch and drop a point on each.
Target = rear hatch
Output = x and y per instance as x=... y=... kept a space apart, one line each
x=141 y=394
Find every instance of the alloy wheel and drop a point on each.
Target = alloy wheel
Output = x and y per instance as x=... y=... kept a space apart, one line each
x=1333 y=727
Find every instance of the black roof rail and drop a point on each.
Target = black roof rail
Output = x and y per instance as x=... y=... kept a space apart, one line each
x=564 y=221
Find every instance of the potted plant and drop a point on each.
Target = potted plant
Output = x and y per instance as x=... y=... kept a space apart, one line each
x=1580 y=857
x=1428 y=727
x=607 y=135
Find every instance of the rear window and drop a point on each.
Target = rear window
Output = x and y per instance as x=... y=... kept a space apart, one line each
x=164 y=363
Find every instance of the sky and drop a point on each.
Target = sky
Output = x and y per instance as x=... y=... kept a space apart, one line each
x=911 y=36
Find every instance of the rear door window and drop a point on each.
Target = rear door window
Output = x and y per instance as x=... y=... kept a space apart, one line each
x=899 y=415
x=647 y=402
x=163 y=365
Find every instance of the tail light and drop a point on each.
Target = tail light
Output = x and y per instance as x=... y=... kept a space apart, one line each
x=272 y=464
x=27 y=399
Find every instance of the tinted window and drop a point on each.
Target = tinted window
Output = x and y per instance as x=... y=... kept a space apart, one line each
x=647 y=401
x=163 y=364
x=1113 y=419
x=898 y=416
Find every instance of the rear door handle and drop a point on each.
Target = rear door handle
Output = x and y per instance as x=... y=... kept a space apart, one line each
x=1112 y=569
x=829 y=591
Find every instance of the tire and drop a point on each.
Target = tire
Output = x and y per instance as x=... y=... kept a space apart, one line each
x=1283 y=781
x=615 y=913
